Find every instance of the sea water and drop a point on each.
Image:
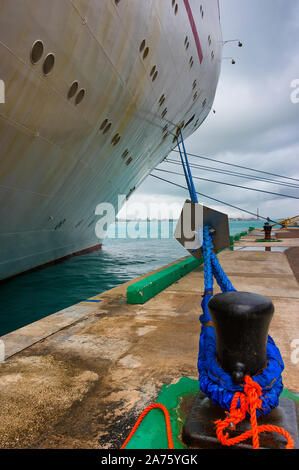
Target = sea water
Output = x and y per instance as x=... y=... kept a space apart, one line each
x=29 y=297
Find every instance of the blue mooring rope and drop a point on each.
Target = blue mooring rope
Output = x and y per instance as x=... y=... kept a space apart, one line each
x=187 y=171
x=214 y=382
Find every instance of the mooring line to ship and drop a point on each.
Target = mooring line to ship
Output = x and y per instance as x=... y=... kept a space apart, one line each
x=230 y=184
x=212 y=169
x=188 y=176
x=214 y=199
x=239 y=166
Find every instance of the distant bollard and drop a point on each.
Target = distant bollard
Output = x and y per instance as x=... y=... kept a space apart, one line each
x=267 y=230
x=241 y=321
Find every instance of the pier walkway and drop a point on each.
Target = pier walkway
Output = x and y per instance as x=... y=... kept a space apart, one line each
x=79 y=378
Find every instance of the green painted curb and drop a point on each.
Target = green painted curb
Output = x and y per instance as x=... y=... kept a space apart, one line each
x=261 y=240
x=141 y=291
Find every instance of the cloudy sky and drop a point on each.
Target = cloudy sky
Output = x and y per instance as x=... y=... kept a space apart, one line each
x=255 y=124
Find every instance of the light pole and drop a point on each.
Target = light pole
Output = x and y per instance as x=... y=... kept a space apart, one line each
x=229 y=58
x=240 y=44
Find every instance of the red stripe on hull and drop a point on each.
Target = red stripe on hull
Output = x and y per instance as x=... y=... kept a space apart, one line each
x=194 y=30
x=55 y=261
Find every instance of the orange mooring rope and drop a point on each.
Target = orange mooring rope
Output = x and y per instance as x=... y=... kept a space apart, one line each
x=249 y=402
x=142 y=416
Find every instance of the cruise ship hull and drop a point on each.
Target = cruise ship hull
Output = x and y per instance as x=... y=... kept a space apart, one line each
x=95 y=94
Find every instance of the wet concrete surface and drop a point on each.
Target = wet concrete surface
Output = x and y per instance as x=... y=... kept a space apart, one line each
x=83 y=382
x=289 y=233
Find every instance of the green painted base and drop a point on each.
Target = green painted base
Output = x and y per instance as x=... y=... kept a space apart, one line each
x=151 y=434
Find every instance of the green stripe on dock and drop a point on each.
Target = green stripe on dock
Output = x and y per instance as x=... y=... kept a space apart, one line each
x=141 y=291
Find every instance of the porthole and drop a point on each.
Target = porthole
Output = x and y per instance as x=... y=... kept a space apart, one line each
x=196 y=123
x=153 y=71
x=104 y=124
x=48 y=64
x=204 y=102
x=186 y=40
x=178 y=130
x=155 y=75
x=73 y=90
x=79 y=223
x=161 y=100
x=142 y=46
x=115 y=139
x=60 y=224
x=194 y=84
x=164 y=129
x=190 y=120
x=37 y=51
x=107 y=128
x=176 y=8
x=125 y=154
x=195 y=96
x=130 y=192
x=129 y=161
x=209 y=40
x=146 y=51
x=80 y=96
x=164 y=112
x=187 y=46
x=212 y=55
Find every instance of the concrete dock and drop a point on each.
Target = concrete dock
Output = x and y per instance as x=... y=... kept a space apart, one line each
x=80 y=378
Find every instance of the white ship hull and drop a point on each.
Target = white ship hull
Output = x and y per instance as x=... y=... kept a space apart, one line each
x=59 y=160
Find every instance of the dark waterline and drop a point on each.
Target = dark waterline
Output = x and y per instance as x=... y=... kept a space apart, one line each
x=27 y=298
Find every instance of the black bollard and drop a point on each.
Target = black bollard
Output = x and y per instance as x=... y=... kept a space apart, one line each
x=241 y=321
x=267 y=230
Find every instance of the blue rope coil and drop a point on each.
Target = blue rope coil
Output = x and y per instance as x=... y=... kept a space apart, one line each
x=214 y=382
